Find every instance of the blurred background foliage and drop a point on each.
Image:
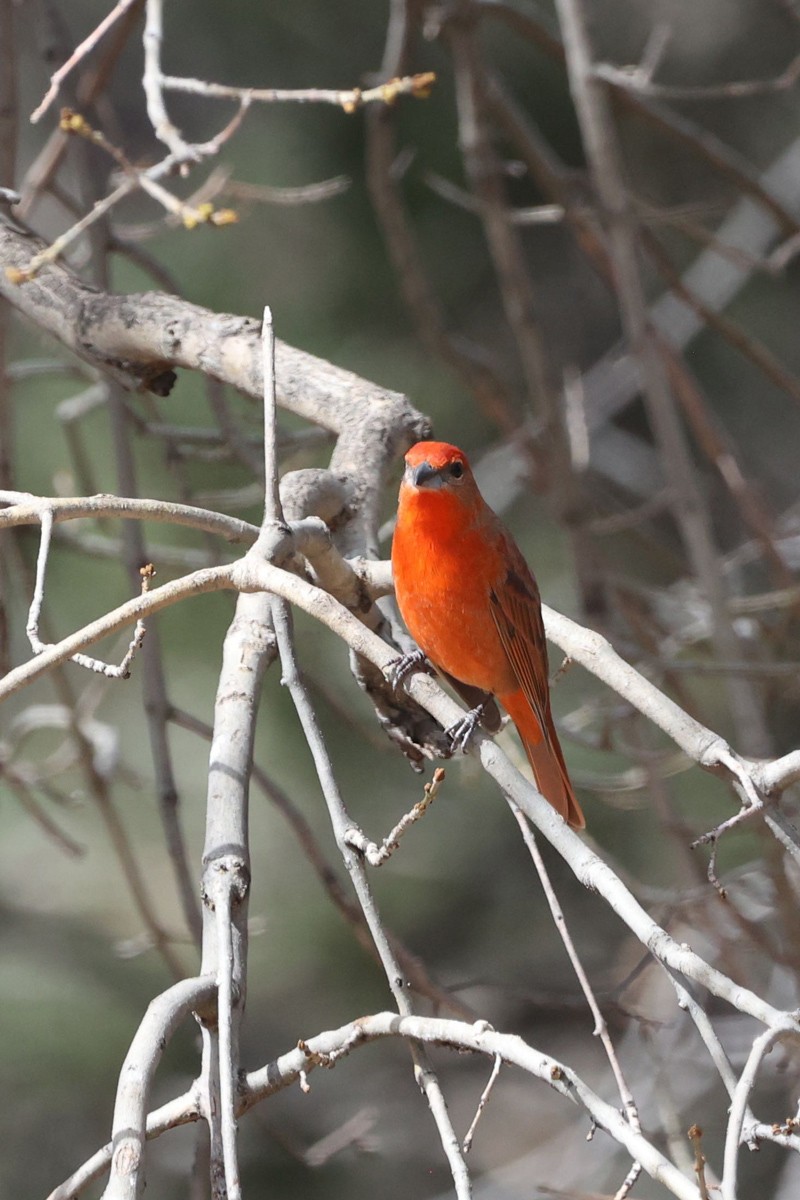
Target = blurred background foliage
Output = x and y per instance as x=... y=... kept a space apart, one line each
x=75 y=974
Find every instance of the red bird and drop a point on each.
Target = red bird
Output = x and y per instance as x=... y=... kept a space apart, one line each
x=472 y=606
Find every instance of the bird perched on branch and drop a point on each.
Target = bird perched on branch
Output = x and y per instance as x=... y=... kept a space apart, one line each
x=471 y=603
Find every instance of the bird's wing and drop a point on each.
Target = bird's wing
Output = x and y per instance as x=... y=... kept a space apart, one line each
x=517 y=613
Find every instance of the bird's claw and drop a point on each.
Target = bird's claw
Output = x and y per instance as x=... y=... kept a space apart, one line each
x=460 y=734
x=398 y=668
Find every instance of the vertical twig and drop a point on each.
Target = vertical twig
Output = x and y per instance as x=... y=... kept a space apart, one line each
x=35 y=610
x=80 y=52
x=249 y=649
x=163 y=128
x=484 y=1100
x=272 y=497
x=695 y=1135
x=600 y=1026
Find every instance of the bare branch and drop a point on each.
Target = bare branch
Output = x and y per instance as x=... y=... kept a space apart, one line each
x=152 y=333
x=180 y=1111
x=122 y=671
x=163 y=1016
x=25 y=510
x=695 y=1135
x=600 y=1026
x=737 y=89
x=350 y=100
x=210 y=579
x=741 y=1099
x=164 y=130
x=484 y=1100
x=375 y=855
x=80 y=52
x=326 y=1048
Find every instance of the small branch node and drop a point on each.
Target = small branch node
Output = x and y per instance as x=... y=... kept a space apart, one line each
x=317 y=1058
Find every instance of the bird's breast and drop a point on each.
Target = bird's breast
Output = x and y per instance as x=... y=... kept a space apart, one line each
x=444 y=574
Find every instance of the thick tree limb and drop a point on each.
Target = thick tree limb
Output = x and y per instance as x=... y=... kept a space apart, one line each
x=142 y=339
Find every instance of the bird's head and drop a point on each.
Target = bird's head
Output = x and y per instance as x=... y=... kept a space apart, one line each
x=438 y=467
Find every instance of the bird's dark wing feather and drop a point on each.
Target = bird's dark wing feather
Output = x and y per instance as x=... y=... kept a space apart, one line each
x=517 y=613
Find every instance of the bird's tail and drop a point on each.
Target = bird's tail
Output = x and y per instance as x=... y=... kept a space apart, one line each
x=552 y=780
x=547 y=761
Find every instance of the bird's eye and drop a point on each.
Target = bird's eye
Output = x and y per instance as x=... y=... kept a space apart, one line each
x=457 y=470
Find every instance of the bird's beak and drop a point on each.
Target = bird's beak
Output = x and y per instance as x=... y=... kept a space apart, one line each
x=424 y=475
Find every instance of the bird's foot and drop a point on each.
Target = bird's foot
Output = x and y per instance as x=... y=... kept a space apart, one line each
x=398 y=668
x=461 y=733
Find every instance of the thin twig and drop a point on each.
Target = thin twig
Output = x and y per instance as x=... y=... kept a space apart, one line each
x=163 y=128
x=120 y=671
x=79 y=53
x=376 y=855
x=600 y=1026
x=23 y=788
x=350 y=99
x=308 y=193
x=484 y=1100
x=736 y=89
x=272 y=496
x=695 y=1136
x=57 y=247
x=25 y=509
x=325 y=1049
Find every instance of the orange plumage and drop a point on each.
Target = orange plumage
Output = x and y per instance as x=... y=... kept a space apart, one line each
x=471 y=604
